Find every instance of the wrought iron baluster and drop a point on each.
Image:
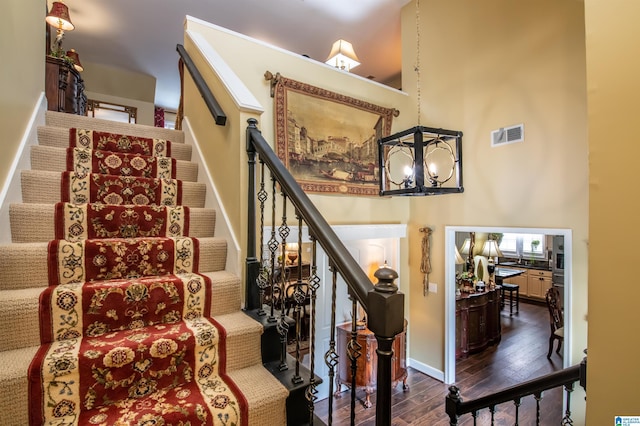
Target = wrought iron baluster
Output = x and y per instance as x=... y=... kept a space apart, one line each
x=283 y=324
x=354 y=352
x=538 y=397
x=475 y=418
x=273 y=247
x=331 y=357
x=262 y=280
x=299 y=296
x=492 y=410
x=566 y=420
x=314 y=285
x=517 y=403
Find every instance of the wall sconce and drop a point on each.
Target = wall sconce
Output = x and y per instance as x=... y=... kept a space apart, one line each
x=59 y=18
x=73 y=55
x=342 y=56
x=421 y=161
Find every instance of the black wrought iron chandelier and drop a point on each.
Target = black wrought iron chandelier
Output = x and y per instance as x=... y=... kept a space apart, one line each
x=420 y=160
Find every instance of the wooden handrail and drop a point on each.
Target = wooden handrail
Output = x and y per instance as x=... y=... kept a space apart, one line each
x=210 y=100
x=350 y=270
x=455 y=406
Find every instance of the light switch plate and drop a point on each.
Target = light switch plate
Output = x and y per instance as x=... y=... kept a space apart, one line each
x=433 y=288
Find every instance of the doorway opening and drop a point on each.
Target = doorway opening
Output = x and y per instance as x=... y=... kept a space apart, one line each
x=450 y=286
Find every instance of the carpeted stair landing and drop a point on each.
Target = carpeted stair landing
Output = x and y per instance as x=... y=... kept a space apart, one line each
x=115 y=305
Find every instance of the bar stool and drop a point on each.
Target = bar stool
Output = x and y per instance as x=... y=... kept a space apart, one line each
x=511 y=288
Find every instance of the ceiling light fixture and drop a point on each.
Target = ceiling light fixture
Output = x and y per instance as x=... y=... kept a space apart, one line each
x=59 y=18
x=342 y=56
x=419 y=155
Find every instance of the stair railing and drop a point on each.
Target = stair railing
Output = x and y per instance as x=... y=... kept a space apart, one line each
x=214 y=107
x=383 y=303
x=456 y=407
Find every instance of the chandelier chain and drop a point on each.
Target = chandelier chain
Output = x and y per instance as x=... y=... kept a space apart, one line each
x=417 y=68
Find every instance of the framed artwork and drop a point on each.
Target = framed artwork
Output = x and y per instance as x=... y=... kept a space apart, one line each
x=328 y=141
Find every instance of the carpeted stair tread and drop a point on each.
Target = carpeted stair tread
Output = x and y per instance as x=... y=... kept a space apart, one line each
x=14 y=386
x=226 y=292
x=19 y=318
x=243 y=339
x=43 y=187
x=35 y=222
x=182 y=265
x=25 y=265
x=109 y=306
x=19 y=308
x=57 y=119
x=130 y=364
x=264 y=393
x=55 y=160
x=153 y=409
x=58 y=137
x=80 y=188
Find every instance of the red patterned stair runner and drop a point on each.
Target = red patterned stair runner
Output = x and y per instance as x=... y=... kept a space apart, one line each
x=114 y=142
x=125 y=328
x=84 y=161
x=88 y=221
x=107 y=189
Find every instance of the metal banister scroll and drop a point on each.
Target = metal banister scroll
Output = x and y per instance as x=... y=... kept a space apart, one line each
x=210 y=100
x=346 y=265
x=383 y=303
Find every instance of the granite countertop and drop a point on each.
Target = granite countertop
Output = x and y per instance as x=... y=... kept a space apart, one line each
x=508 y=273
x=523 y=266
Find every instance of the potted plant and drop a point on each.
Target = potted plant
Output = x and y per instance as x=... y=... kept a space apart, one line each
x=534 y=247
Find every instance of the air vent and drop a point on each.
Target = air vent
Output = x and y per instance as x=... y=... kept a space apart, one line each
x=506 y=135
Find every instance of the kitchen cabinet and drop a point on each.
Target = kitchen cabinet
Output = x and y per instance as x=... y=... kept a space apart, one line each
x=539 y=281
x=533 y=284
x=520 y=280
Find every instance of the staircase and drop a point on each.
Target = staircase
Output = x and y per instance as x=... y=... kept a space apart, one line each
x=156 y=332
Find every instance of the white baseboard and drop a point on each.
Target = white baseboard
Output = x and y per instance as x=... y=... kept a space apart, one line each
x=426 y=369
x=212 y=200
x=12 y=189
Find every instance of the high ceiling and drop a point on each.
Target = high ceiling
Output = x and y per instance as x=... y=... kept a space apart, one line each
x=141 y=35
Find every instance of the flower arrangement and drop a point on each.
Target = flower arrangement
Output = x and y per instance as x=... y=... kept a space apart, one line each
x=466 y=280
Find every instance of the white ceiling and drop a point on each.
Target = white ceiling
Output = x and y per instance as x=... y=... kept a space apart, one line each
x=141 y=35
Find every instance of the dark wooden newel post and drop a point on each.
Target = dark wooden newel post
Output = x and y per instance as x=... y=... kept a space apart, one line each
x=385 y=320
x=252 y=264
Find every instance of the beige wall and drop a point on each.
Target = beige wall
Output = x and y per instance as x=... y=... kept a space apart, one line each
x=119 y=82
x=22 y=37
x=613 y=67
x=527 y=66
x=111 y=84
x=256 y=58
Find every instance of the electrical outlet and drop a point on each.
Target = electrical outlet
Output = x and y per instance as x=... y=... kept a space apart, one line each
x=433 y=288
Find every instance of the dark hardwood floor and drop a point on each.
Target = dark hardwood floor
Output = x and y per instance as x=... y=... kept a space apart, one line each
x=521 y=355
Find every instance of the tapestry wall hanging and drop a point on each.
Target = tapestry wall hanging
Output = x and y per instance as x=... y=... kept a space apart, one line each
x=328 y=141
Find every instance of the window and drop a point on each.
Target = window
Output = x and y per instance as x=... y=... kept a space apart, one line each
x=524 y=245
